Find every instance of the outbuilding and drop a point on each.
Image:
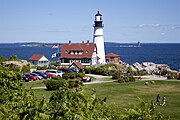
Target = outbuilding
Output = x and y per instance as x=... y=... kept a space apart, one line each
x=39 y=60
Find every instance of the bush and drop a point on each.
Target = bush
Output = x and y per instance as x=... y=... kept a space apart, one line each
x=172 y=75
x=54 y=84
x=65 y=76
x=131 y=78
x=80 y=75
x=121 y=80
x=41 y=68
x=25 y=69
x=126 y=79
x=116 y=75
x=143 y=111
x=74 y=83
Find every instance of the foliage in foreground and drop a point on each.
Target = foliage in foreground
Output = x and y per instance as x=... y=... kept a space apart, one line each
x=143 y=111
x=18 y=103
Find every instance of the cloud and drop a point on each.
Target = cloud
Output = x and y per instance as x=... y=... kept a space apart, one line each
x=157 y=25
x=162 y=34
x=50 y=13
x=175 y=27
x=56 y=31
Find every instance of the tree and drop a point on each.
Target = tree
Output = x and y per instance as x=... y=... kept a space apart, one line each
x=13 y=57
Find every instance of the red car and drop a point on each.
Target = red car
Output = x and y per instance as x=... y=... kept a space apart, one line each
x=53 y=73
x=29 y=77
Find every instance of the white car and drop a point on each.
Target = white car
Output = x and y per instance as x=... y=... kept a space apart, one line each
x=36 y=75
x=52 y=73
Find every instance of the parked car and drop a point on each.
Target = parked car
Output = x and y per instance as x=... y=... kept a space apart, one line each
x=45 y=76
x=65 y=70
x=36 y=75
x=86 y=79
x=52 y=73
x=27 y=77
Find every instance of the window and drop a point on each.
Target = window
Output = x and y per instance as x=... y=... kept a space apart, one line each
x=85 y=60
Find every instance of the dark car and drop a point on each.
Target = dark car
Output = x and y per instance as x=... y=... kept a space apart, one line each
x=45 y=76
x=67 y=70
x=27 y=77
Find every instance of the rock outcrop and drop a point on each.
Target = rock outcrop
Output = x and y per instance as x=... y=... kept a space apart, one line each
x=150 y=67
x=17 y=64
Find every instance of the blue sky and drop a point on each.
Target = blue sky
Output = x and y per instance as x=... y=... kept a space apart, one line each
x=125 y=21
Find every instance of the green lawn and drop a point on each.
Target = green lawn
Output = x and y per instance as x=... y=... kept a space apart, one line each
x=124 y=94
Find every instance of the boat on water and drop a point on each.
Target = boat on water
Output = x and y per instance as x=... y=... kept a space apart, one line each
x=138 y=44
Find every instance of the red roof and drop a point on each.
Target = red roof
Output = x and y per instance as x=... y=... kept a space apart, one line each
x=36 y=57
x=78 y=64
x=112 y=55
x=87 y=50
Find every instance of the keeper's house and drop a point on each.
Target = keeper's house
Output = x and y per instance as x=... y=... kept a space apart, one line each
x=112 y=58
x=85 y=53
x=39 y=60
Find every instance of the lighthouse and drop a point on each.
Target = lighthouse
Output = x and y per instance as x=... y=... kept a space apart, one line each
x=98 y=38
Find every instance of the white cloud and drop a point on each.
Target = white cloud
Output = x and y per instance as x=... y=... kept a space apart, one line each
x=162 y=34
x=157 y=25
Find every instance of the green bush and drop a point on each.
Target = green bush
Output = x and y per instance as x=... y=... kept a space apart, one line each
x=74 y=83
x=131 y=78
x=65 y=76
x=80 y=75
x=25 y=69
x=140 y=73
x=54 y=84
x=143 y=111
x=126 y=79
x=116 y=75
x=41 y=68
x=172 y=75
x=71 y=75
x=13 y=57
x=121 y=80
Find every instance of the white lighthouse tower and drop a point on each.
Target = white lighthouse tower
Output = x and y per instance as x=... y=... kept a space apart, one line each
x=98 y=38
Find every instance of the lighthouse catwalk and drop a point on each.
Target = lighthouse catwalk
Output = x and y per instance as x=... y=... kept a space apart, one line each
x=98 y=38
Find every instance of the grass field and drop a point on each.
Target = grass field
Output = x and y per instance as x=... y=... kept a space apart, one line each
x=124 y=94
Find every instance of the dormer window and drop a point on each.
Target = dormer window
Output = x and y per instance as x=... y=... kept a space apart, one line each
x=66 y=51
x=87 y=51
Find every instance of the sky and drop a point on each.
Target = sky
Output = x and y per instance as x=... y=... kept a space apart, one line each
x=125 y=21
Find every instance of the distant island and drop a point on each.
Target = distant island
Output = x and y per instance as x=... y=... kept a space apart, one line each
x=38 y=44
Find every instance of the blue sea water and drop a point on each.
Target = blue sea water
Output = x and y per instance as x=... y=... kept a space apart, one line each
x=161 y=53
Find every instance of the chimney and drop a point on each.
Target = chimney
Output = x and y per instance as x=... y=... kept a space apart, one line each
x=87 y=42
x=83 y=41
x=69 y=42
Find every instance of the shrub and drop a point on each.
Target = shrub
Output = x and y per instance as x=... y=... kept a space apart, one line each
x=126 y=79
x=54 y=84
x=143 y=111
x=116 y=75
x=74 y=83
x=80 y=75
x=172 y=75
x=25 y=69
x=13 y=57
x=41 y=68
x=121 y=80
x=131 y=78
x=65 y=76
x=71 y=75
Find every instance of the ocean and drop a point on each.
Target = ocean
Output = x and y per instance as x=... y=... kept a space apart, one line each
x=159 y=53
